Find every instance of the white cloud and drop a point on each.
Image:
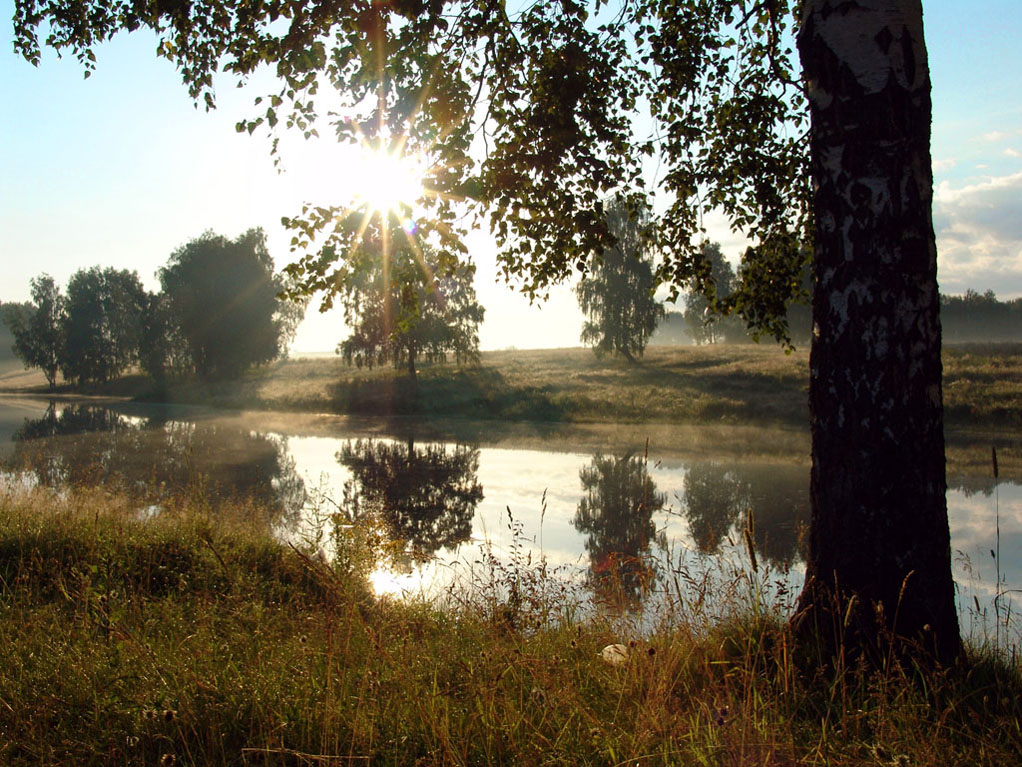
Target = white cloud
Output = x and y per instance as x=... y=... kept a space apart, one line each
x=1012 y=152
x=979 y=235
x=944 y=164
x=996 y=135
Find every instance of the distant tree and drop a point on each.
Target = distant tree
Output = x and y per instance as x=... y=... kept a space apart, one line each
x=37 y=327
x=414 y=303
x=102 y=326
x=709 y=302
x=672 y=330
x=163 y=351
x=976 y=316
x=705 y=325
x=222 y=296
x=617 y=293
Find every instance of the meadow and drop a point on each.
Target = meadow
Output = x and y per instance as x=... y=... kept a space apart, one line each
x=733 y=384
x=193 y=639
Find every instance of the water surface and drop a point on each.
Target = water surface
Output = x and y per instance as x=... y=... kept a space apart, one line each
x=612 y=508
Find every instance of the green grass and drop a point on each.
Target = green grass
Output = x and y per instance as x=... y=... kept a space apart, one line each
x=195 y=640
x=983 y=384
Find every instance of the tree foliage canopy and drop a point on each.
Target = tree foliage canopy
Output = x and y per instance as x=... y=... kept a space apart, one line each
x=222 y=295
x=163 y=352
x=532 y=115
x=617 y=293
x=102 y=325
x=37 y=329
x=406 y=303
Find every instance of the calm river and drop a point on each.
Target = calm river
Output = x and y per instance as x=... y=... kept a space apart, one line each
x=608 y=508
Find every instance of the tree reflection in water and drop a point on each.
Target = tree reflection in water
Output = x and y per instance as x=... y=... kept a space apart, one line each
x=718 y=496
x=616 y=513
x=424 y=496
x=155 y=460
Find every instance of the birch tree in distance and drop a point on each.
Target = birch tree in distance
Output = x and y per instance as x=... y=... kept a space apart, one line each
x=617 y=292
x=839 y=146
x=37 y=330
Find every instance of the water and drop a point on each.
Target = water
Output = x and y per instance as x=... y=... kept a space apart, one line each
x=606 y=507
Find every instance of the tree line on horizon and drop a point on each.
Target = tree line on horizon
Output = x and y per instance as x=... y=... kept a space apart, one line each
x=217 y=314
x=971 y=317
x=222 y=309
x=219 y=311
x=623 y=315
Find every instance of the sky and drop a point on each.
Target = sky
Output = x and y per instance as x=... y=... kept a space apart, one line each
x=121 y=169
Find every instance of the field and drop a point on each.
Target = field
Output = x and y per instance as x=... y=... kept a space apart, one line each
x=193 y=640
x=748 y=384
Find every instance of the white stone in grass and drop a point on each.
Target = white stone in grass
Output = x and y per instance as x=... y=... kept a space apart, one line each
x=614 y=654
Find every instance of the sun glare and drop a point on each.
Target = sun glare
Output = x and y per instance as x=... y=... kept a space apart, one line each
x=386 y=183
x=387 y=582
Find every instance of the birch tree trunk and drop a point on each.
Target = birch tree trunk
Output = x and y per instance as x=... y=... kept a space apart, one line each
x=879 y=571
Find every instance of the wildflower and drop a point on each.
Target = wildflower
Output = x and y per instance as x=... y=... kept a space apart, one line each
x=167 y=760
x=169 y=714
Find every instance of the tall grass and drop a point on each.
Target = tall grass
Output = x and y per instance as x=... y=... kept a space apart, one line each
x=186 y=638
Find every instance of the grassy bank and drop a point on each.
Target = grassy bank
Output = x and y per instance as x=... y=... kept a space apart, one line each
x=188 y=640
x=730 y=384
x=679 y=385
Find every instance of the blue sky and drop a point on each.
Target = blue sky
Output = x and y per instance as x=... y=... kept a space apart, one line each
x=121 y=169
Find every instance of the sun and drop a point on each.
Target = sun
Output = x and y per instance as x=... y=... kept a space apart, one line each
x=386 y=183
